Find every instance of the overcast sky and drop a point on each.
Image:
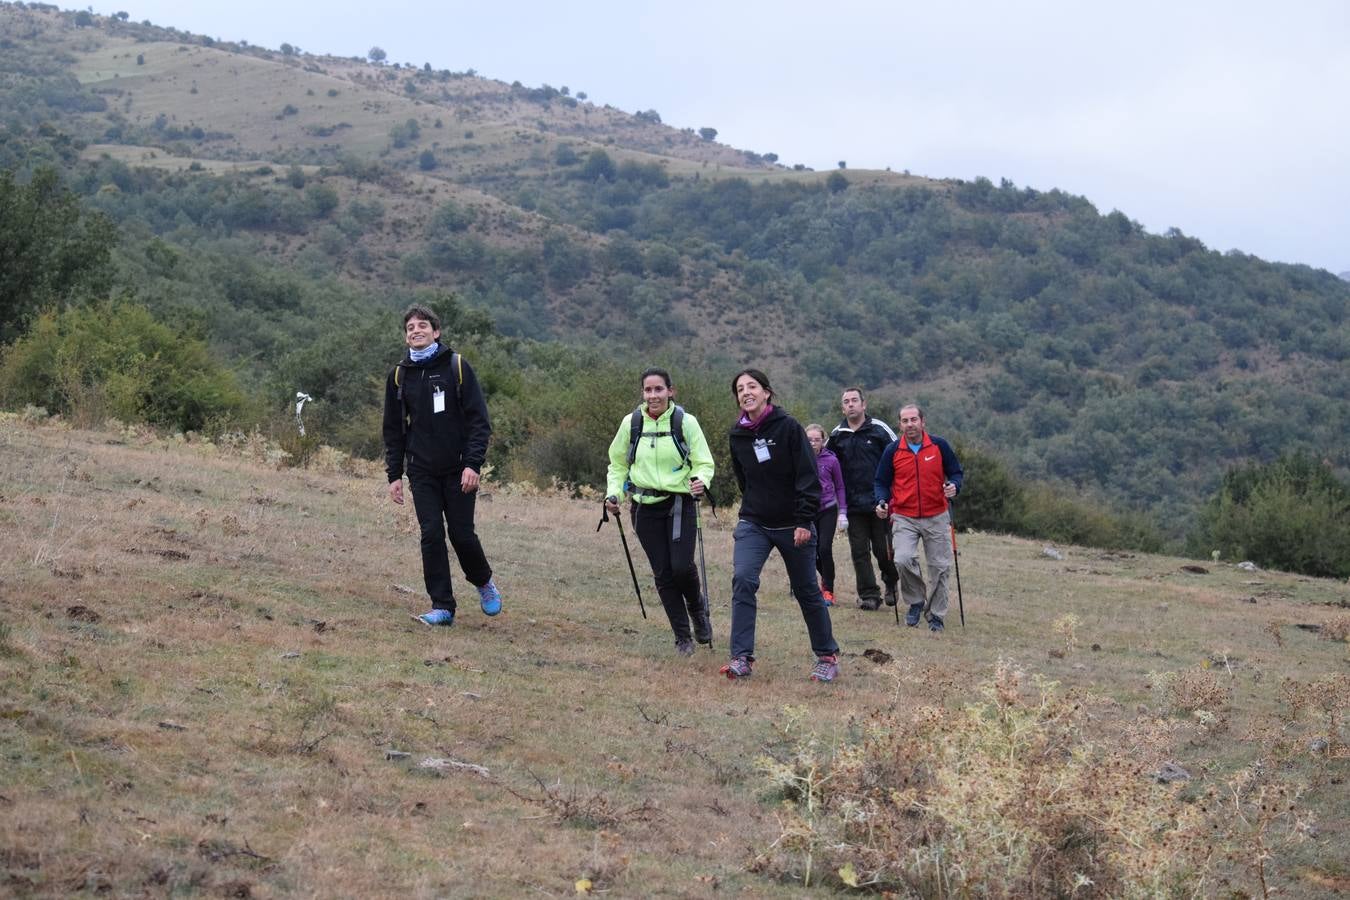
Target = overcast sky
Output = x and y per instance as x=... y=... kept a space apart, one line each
x=1227 y=119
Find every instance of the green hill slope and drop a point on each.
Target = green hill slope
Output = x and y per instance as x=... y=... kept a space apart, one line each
x=302 y=195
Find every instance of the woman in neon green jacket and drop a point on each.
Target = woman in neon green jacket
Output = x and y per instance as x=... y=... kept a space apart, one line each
x=660 y=460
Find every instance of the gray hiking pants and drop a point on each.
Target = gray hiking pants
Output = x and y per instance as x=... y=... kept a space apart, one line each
x=934 y=532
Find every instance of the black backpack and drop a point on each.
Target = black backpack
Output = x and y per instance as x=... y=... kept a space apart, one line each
x=676 y=434
x=456 y=363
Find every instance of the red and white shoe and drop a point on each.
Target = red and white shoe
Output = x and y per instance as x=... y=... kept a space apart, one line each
x=737 y=668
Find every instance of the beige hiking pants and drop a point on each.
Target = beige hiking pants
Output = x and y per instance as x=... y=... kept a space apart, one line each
x=934 y=532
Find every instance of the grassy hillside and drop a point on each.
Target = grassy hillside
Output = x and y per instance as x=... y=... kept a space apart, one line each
x=268 y=196
x=211 y=678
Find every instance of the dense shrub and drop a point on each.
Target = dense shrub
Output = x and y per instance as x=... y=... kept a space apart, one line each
x=991 y=499
x=115 y=360
x=51 y=249
x=1053 y=514
x=1291 y=514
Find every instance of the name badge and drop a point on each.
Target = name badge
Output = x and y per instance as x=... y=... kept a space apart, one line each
x=438 y=401
x=761 y=450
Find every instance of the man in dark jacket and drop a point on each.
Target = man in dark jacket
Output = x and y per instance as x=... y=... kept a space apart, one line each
x=436 y=426
x=918 y=476
x=858 y=441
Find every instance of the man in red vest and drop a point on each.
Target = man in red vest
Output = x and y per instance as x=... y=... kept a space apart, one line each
x=917 y=476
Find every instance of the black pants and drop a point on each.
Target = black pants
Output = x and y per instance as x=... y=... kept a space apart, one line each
x=439 y=502
x=869 y=536
x=827 y=520
x=672 y=561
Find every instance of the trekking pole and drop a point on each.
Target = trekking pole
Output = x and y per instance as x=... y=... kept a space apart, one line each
x=956 y=562
x=703 y=569
x=618 y=520
x=890 y=555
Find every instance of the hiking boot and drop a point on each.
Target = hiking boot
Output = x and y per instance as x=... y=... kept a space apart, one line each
x=915 y=613
x=868 y=604
x=827 y=594
x=684 y=648
x=892 y=597
x=489 y=598
x=702 y=627
x=737 y=668
x=935 y=624
x=437 y=617
x=825 y=669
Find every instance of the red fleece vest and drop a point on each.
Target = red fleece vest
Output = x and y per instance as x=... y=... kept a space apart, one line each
x=916 y=485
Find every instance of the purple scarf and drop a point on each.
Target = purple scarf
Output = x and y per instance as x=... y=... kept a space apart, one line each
x=754 y=426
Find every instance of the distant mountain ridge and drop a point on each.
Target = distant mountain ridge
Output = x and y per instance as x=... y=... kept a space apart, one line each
x=1082 y=348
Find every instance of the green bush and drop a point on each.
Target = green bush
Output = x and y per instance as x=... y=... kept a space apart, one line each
x=1290 y=514
x=1053 y=515
x=52 y=248
x=114 y=359
x=991 y=499
x=321 y=200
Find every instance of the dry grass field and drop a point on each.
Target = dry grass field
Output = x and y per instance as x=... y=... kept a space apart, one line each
x=211 y=684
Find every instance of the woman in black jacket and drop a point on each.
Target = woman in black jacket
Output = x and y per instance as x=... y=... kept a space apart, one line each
x=780 y=492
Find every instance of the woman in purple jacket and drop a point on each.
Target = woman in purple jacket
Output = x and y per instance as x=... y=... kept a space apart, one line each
x=833 y=508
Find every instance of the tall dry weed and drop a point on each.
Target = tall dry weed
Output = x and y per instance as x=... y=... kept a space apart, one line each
x=1007 y=797
x=1066 y=628
x=1337 y=628
x=1262 y=819
x=1198 y=691
x=253 y=446
x=800 y=774
x=1327 y=701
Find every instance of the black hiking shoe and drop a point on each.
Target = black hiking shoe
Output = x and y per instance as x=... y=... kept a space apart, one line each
x=892 y=595
x=685 y=647
x=702 y=627
x=868 y=604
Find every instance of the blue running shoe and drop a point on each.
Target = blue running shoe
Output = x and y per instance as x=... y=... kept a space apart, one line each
x=489 y=598
x=915 y=613
x=935 y=624
x=437 y=617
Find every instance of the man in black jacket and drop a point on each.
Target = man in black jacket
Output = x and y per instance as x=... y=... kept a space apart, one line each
x=858 y=441
x=436 y=425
